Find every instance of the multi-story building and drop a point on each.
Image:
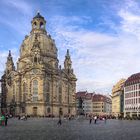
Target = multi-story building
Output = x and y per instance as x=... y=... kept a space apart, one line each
x=108 y=105
x=87 y=104
x=84 y=102
x=101 y=105
x=92 y=103
x=132 y=96
x=38 y=86
x=118 y=98
x=80 y=97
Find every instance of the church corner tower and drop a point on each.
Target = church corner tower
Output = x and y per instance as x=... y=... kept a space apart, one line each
x=67 y=62
x=39 y=86
x=68 y=66
x=9 y=64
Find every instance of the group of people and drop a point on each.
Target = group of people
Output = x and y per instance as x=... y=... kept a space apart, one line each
x=95 y=119
x=22 y=117
x=3 y=120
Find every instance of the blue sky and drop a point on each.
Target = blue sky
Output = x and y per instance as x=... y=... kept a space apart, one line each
x=103 y=36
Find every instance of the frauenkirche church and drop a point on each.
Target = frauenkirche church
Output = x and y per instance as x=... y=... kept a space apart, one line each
x=38 y=86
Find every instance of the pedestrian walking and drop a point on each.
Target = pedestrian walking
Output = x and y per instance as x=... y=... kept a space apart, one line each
x=59 y=121
x=105 y=119
x=18 y=117
x=69 y=117
x=6 y=120
x=2 y=120
x=26 y=117
x=95 y=119
x=90 y=119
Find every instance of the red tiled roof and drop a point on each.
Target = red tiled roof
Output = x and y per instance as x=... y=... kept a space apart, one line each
x=133 y=79
x=101 y=98
x=92 y=96
x=98 y=97
x=84 y=94
x=89 y=96
x=81 y=94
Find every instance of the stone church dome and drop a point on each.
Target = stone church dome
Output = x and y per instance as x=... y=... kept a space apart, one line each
x=38 y=34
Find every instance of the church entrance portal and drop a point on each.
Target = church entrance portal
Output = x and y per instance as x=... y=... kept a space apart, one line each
x=60 y=112
x=34 y=111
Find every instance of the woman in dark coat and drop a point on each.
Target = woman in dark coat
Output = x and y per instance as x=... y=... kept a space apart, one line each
x=6 y=120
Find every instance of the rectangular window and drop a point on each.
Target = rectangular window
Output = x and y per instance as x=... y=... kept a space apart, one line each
x=35 y=99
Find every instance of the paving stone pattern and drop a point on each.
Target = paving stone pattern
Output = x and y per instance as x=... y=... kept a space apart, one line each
x=47 y=129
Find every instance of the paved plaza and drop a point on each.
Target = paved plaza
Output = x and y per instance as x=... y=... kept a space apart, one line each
x=47 y=129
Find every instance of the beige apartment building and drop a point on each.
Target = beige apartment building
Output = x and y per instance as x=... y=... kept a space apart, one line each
x=101 y=105
x=38 y=86
x=118 y=98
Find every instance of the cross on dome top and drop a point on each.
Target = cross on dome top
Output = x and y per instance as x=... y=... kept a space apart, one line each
x=38 y=15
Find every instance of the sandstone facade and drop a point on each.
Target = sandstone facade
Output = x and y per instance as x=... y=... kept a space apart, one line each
x=39 y=86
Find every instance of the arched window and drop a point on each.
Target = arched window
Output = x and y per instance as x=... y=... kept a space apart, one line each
x=35 y=90
x=14 y=92
x=60 y=111
x=41 y=25
x=47 y=88
x=60 y=94
x=25 y=91
x=34 y=25
x=48 y=110
x=35 y=59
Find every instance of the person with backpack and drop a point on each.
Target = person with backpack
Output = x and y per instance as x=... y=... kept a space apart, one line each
x=59 y=121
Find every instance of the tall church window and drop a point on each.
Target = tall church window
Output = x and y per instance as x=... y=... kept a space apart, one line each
x=47 y=91
x=14 y=92
x=25 y=91
x=60 y=94
x=35 y=59
x=66 y=91
x=35 y=90
x=48 y=110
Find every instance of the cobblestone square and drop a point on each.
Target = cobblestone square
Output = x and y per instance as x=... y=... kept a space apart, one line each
x=47 y=129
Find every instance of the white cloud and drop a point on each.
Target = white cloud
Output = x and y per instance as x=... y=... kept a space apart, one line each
x=17 y=15
x=21 y=6
x=19 y=26
x=130 y=15
x=100 y=59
